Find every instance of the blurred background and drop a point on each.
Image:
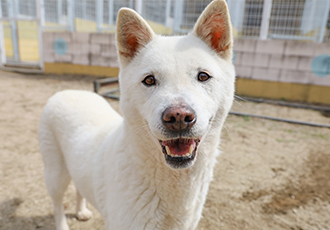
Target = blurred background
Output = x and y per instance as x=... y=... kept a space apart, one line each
x=271 y=175
x=282 y=48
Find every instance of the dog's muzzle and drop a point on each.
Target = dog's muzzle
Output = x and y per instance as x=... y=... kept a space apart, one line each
x=179 y=152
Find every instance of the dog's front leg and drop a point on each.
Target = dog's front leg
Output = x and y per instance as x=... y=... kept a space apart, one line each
x=82 y=212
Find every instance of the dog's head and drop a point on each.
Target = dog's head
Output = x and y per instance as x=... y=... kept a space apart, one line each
x=179 y=89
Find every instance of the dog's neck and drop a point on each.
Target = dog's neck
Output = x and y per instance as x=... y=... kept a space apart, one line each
x=179 y=193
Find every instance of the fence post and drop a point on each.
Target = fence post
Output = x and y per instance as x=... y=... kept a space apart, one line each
x=138 y=6
x=59 y=11
x=178 y=11
x=266 y=12
x=168 y=21
x=99 y=15
x=71 y=14
x=236 y=10
x=41 y=13
x=2 y=43
x=84 y=6
x=41 y=24
x=11 y=14
x=325 y=20
x=111 y=9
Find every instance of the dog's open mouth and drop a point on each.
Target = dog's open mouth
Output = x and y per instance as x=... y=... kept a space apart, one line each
x=181 y=152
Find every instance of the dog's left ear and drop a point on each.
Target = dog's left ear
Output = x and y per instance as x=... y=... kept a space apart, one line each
x=214 y=28
x=133 y=33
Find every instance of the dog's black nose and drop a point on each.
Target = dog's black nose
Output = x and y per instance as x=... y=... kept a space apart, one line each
x=179 y=117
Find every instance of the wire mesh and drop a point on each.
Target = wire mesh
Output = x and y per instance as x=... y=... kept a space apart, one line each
x=192 y=10
x=51 y=14
x=26 y=8
x=96 y=15
x=252 y=18
x=56 y=15
x=110 y=11
x=156 y=10
x=286 y=18
x=290 y=19
x=299 y=19
x=4 y=8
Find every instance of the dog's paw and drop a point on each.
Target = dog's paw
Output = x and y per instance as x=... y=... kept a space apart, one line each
x=84 y=215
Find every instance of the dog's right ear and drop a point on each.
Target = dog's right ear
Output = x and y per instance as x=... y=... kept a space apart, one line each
x=214 y=28
x=133 y=33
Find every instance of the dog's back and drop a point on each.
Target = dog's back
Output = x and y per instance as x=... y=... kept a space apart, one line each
x=72 y=127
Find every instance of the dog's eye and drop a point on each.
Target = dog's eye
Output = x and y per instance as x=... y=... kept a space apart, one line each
x=202 y=76
x=149 y=80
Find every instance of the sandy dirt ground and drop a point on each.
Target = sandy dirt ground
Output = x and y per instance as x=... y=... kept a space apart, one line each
x=271 y=175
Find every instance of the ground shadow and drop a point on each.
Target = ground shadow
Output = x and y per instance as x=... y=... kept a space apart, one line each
x=9 y=219
x=313 y=184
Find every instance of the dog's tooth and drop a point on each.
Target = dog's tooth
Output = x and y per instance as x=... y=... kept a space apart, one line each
x=191 y=149
x=175 y=155
x=187 y=154
x=168 y=151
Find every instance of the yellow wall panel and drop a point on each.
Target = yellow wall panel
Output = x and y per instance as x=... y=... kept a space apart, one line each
x=283 y=91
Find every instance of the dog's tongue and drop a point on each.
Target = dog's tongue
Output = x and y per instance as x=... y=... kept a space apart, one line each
x=180 y=147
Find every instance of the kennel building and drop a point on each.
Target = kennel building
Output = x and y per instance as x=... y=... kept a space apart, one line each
x=281 y=49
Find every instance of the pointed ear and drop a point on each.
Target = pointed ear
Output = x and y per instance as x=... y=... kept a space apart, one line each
x=214 y=28
x=133 y=33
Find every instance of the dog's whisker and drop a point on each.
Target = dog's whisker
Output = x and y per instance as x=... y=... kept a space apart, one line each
x=226 y=129
x=240 y=104
x=240 y=98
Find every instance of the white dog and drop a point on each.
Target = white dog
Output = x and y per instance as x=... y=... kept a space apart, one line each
x=151 y=168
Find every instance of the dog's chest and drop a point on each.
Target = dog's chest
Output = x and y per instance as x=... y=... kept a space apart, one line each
x=165 y=204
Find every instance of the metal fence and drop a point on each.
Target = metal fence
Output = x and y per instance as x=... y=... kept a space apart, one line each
x=281 y=19
x=264 y=19
x=20 y=33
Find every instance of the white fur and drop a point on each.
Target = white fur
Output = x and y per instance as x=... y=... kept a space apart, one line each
x=116 y=163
